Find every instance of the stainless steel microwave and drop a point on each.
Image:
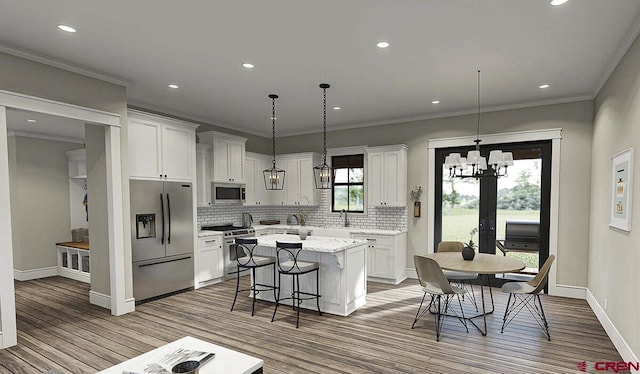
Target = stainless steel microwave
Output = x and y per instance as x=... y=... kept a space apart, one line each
x=227 y=193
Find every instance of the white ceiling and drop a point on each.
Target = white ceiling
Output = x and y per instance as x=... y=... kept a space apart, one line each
x=45 y=125
x=436 y=48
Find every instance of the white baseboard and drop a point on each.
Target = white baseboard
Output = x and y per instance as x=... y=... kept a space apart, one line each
x=411 y=273
x=130 y=306
x=25 y=275
x=618 y=341
x=99 y=299
x=104 y=301
x=573 y=292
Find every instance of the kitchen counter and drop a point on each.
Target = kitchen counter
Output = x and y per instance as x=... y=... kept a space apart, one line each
x=77 y=245
x=312 y=243
x=342 y=271
x=351 y=230
x=205 y=233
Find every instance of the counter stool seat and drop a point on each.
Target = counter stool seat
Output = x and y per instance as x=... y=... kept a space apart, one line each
x=256 y=261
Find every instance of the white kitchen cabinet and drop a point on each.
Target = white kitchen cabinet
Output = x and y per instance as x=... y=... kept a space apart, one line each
x=160 y=147
x=386 y=257
x=203 y=175
x=255 y=190
x=228 y=160
x=299 y=185
x=211 y=260
x=387 y=176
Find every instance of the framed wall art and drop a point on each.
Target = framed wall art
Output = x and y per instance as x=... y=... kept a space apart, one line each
x=621 y=189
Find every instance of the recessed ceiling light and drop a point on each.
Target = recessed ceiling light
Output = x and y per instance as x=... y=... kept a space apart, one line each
x=435 y=102
x=31 y=120
x=248 y=65
x=558 y=2
x=173 y=86
x=336 y=108
x=543 y=86
x=382 y=45
x=66 y=28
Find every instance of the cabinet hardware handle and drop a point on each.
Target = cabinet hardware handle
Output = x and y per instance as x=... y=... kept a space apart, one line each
x=210 y=241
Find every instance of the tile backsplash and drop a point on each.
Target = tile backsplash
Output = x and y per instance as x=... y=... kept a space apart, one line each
x=384 y=218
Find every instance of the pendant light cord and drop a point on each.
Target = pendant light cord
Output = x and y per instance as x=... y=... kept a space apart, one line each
x=477 y=141
x=324 y=149
x=273 y=123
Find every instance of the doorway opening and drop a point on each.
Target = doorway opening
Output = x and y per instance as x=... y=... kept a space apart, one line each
x=508 y=215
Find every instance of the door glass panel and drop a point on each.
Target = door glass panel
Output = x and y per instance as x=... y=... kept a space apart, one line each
x=519 y=199
x=460 y=208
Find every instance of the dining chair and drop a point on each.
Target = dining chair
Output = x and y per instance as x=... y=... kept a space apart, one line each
x=459 y=278
x=527 y=295
x=434 y=283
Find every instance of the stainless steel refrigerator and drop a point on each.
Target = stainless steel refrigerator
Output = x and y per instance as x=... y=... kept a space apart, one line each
x=161 y=237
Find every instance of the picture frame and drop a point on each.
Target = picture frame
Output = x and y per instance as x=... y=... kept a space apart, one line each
x=621 y=180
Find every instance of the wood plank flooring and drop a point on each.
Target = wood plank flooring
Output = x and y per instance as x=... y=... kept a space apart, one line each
x=59 y=329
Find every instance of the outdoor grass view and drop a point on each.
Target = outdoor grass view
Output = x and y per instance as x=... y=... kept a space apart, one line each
x=518 y=199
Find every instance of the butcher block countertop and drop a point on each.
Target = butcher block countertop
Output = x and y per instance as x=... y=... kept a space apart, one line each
x=78 y=245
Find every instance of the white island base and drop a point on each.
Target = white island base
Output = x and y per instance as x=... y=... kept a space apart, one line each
x=342 y=272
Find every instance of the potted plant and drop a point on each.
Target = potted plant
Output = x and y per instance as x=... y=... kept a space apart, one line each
x=469 y=250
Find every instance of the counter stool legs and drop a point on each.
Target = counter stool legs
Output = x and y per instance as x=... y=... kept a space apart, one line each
x=296 y=300
x=237 y=289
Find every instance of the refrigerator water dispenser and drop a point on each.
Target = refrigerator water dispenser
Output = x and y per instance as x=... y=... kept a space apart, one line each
x=145 y=226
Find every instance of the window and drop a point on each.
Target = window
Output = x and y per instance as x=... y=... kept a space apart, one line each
x=348 y=183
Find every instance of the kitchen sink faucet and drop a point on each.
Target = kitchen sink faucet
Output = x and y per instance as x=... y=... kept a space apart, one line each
x=346 y=221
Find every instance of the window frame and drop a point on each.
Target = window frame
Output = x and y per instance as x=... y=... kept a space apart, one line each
x=348 y=184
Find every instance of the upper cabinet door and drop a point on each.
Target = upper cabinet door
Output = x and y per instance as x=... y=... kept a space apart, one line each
x=392 y=176
x=203 y=176
x=236 y=161
x=221 y=161
x=307 y=187
x=144 y=150
x=291 y=182
x=177 y=146
x=375 y=166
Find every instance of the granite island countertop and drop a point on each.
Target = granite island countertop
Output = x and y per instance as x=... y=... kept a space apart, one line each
x=312 y=243
x=351 y=230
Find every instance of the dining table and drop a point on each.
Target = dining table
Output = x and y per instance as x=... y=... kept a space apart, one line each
x=484 y=264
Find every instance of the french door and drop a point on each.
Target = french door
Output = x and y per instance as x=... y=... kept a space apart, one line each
x=479 y=209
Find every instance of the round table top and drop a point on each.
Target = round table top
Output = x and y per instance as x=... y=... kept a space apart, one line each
x=482 y=263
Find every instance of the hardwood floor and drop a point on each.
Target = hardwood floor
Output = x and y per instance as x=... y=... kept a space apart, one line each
x=59 y=329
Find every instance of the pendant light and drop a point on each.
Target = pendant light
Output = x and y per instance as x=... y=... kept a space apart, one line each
x=498 y=161
x=273 y=177
x=323 y=173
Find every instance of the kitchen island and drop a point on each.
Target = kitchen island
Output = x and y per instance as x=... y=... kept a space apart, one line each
x=343 y=271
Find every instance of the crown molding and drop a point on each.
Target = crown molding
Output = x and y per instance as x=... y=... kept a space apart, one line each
x=29 y=55
x=36 y=135
x=496 y=108
x=618 y=56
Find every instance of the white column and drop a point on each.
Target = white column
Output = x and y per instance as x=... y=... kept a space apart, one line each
x=8 y=332
x=119 y=304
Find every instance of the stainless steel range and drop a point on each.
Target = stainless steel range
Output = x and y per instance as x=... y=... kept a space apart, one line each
x=229 y=234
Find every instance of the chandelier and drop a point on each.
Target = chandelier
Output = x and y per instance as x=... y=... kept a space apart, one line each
x=273 y=177
x=475 y=165
x=323 y=172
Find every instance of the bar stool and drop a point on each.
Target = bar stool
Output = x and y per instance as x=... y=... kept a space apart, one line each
x=288 y=264
x=247 y=261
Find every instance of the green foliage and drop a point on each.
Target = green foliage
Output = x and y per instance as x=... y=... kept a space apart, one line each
x=524 y=196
